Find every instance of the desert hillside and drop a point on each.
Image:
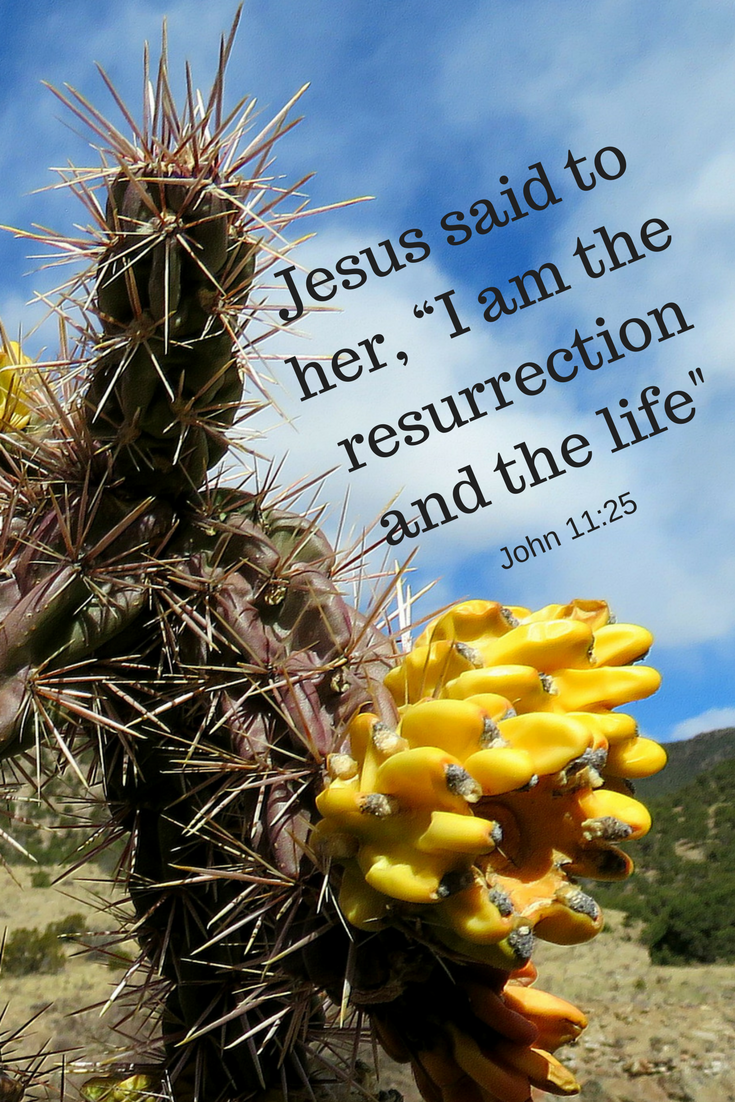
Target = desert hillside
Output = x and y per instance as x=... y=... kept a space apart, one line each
x=658 y=1032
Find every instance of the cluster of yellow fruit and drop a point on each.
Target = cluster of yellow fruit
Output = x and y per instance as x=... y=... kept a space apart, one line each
x=505 y=780
x=15 y=412
x=121 y=1088
x=494 y=1049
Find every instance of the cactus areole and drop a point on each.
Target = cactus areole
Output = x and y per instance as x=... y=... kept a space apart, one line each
x=323 y=836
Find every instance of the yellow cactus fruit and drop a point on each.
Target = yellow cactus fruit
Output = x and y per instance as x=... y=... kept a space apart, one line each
x=401 y=872
x=618 y=644
x=509 y=1070
x=458 y=834
x=426 y=666
x=635 y=758
x=569 y=919
x=361 y=905
x=520 y=686
x=549 y=646
x=608 y=727
x=500 y=639
x=341 y=803
x=593 y=613
x=473 y=622
x=480 y=1038
x=609 y=812
x=497 y=1080
x=467 y=1070
x=470 y=820
x=460 y=727
x=600 y=861
x=496 y=1010
x=607 y=686
x=541 y=641
x=119 y=1088
x=15 y=412
x=427 y=776
x=501 y=769
x=507 y=953
x=552 y=741
x=360 y=734
x=474 y=916
x=544 y=1071
x=557 y=1021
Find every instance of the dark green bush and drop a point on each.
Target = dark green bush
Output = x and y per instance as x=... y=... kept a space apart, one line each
x=684 y=885
x=31 y=950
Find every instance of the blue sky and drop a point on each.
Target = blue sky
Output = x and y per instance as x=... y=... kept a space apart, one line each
x=425 y=107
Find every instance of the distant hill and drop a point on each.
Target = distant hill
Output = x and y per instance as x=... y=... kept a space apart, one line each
x=687 y=759
x=683 y=889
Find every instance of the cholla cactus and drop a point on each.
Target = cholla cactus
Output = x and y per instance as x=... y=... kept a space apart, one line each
x=263 y=748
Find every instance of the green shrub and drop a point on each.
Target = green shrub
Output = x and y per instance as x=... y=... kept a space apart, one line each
x=31 y=950
x=683 y=891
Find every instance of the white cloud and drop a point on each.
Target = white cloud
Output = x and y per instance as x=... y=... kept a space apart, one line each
x=713 y=719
